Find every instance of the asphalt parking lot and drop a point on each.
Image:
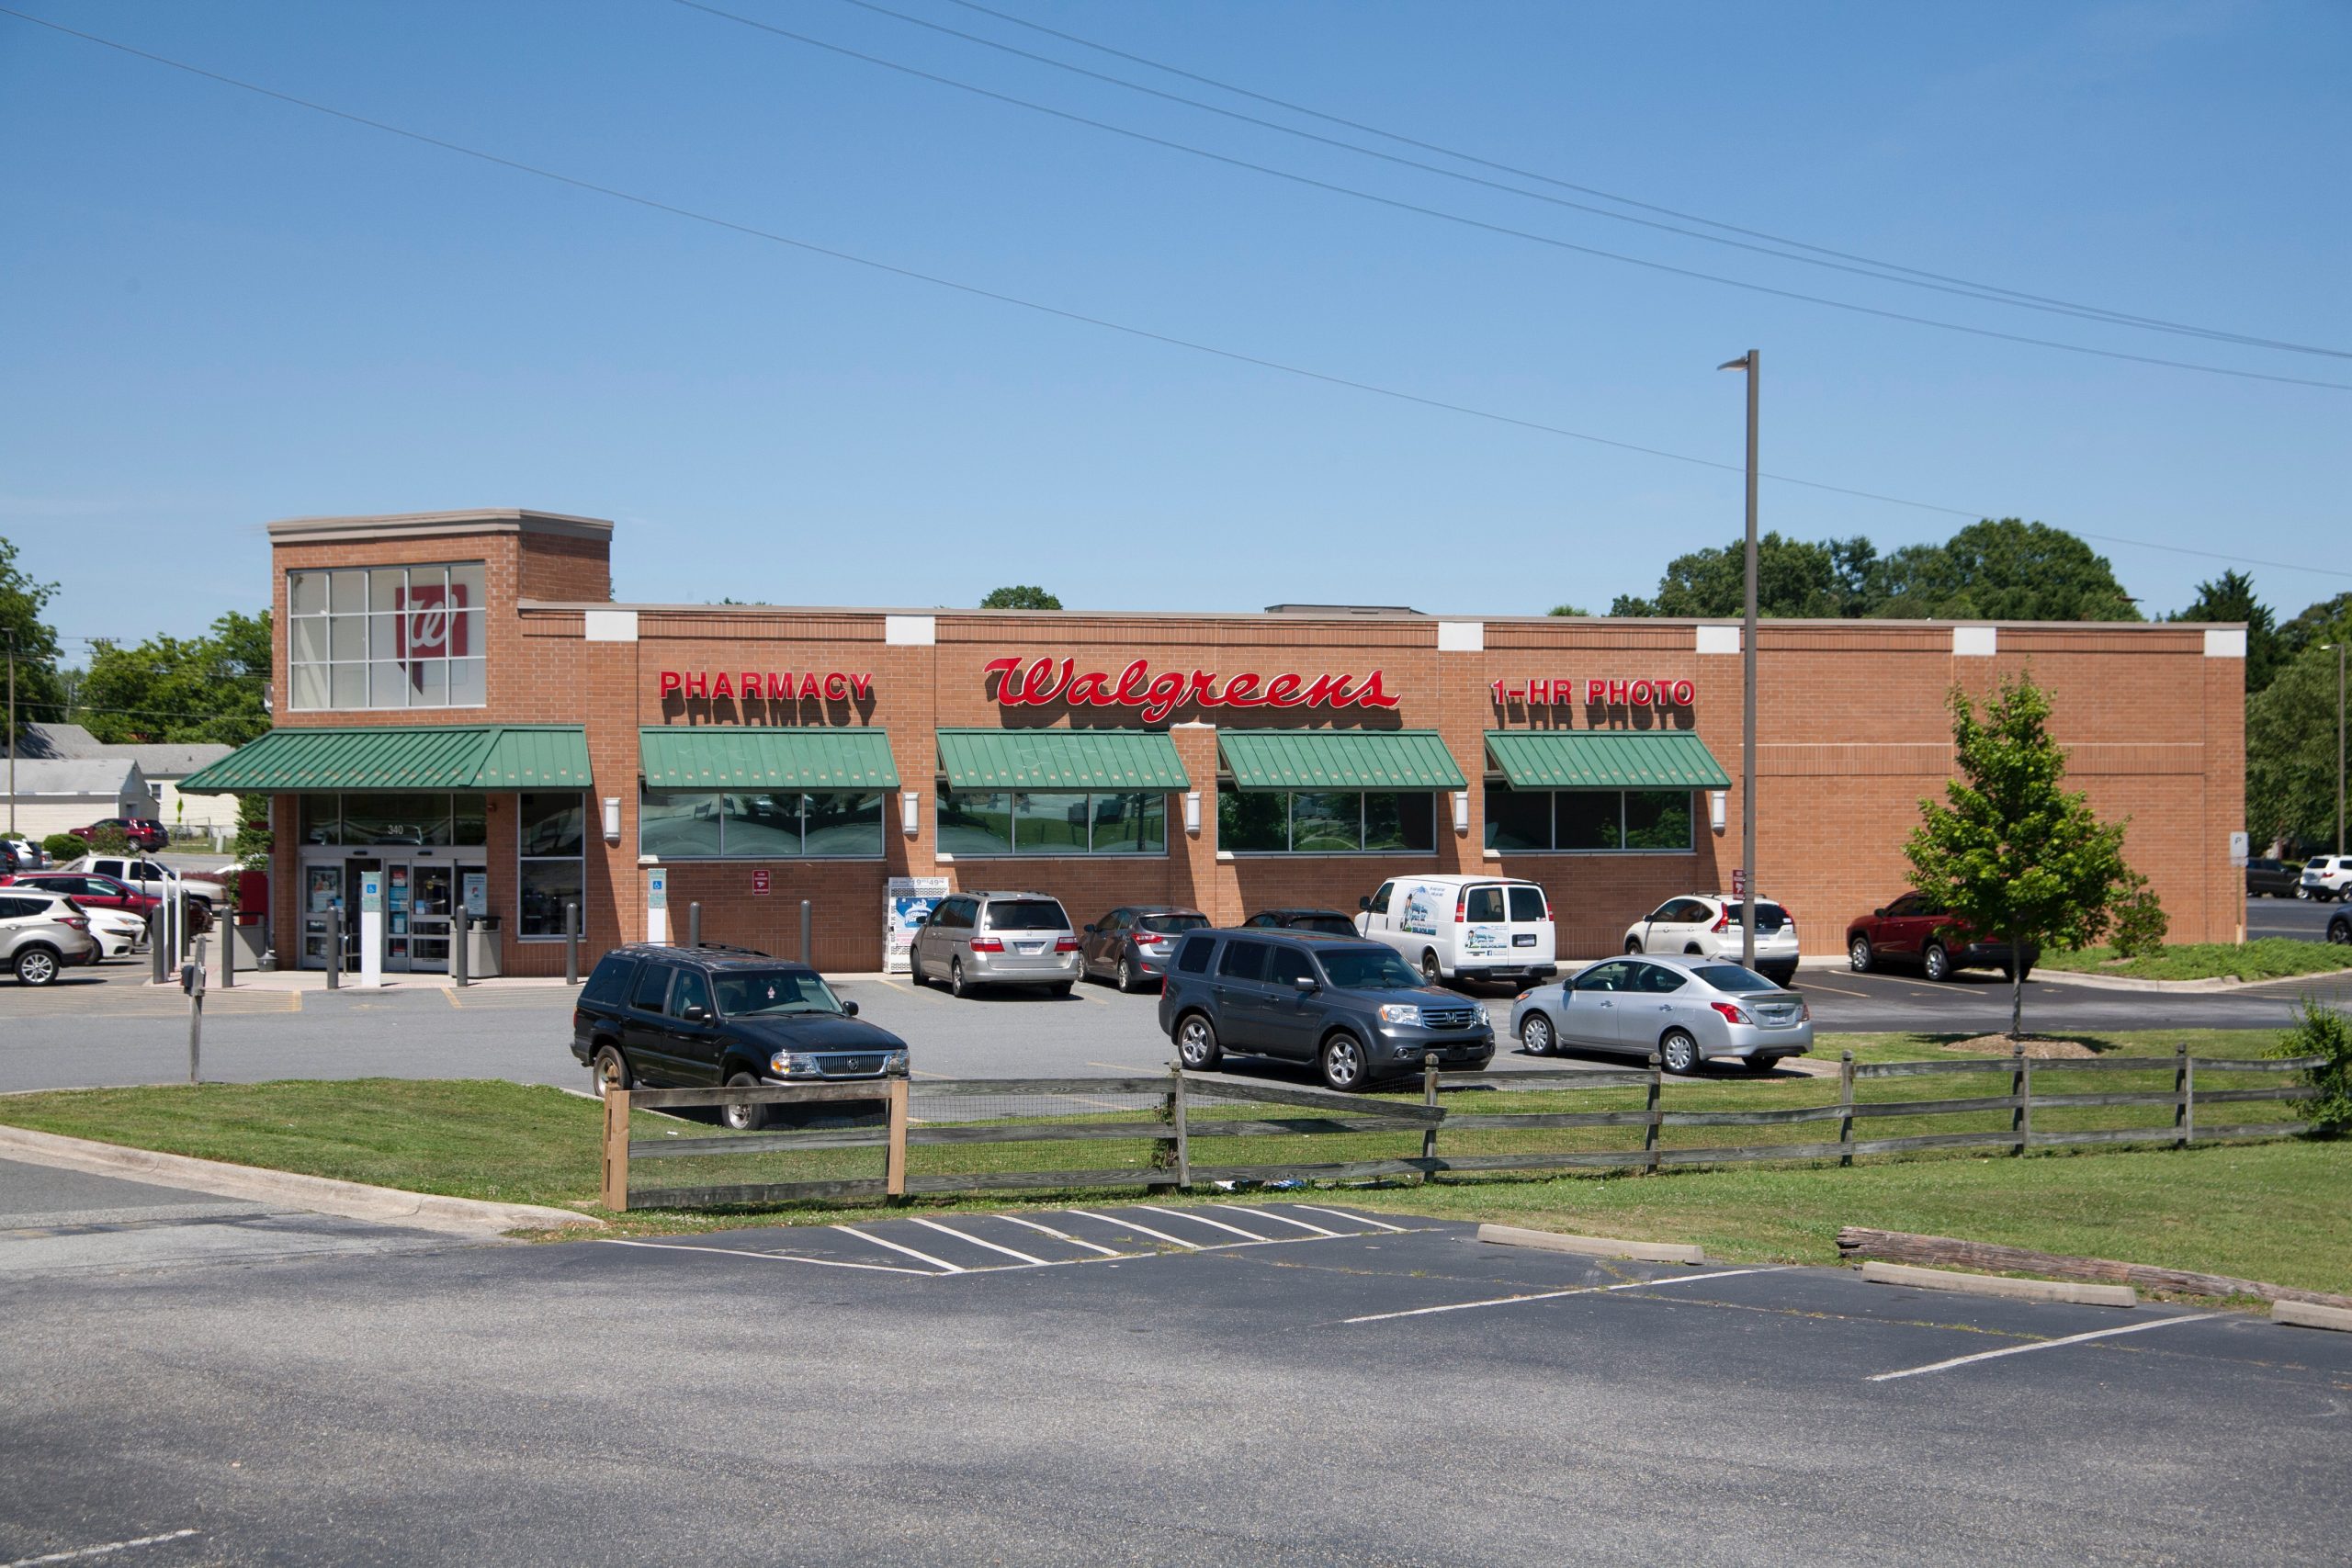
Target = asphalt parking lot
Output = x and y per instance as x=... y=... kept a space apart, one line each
x=1286 y=1383
x=2305 y=920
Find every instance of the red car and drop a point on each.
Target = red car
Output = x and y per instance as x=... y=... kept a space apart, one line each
x=144 y=832
x=89 y=891
x=1917 y=930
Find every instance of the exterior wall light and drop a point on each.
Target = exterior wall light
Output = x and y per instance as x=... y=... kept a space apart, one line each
x=910 y=812
x=612 y=819
x=1462 y=811
x=1192 y=812
x=1718 y=804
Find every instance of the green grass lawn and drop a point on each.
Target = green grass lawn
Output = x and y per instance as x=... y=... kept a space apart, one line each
x=2267 y=1211
x=2266 y=958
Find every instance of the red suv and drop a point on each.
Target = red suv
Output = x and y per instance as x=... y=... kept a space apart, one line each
x=90 y=891
x=1917 y=928
x=144 y=832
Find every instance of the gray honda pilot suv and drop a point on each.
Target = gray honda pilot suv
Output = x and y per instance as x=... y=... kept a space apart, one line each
x=1352 y=1007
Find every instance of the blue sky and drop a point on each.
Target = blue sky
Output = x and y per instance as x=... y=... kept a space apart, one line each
x=219 y=310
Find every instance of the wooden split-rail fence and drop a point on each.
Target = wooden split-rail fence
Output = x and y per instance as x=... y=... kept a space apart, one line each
x=1173 y=1131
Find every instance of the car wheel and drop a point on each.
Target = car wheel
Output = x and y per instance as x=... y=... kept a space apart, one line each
x=1858 y=955
x=1431 y=974
x=1196 y=1043
x=1125 y=976
x=1679 y=1053
x=2303 y=892
x=1344 y=1068
x=611 y=1069
x=1536 y=1034
x=2339 y=931
x=1936 y=962
x=955 y=984
x=743 y=1118
x=1633 y=944
x=35 y=967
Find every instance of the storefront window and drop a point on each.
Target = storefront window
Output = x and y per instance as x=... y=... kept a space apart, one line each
x=1589 y=821
x=768 y=825
x=975 y=823
x=1325 y=822
x=387 y=637
x=385 y=818
x=551 y=842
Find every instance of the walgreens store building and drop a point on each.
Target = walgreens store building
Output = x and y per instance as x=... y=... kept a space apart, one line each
x=463 y=709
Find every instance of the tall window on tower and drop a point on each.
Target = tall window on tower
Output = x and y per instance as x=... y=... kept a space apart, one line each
x=386 y=636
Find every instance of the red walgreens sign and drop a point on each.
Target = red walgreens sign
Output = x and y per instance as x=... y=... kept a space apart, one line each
x=1042 y=683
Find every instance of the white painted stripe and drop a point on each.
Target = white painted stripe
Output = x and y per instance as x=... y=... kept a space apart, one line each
x=1141 y=1230
x=976 y=1241
x=2044 y=1345
x=770 y=1256
x=1058 y=1236
x=1277 y=1214
x=82 y=1551
x=1556 y=1295
x=1361 y=1219
x=1203 y=1219
x=942 y=1263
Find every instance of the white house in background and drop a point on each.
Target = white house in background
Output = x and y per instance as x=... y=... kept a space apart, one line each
x=162 y=764
x=55 y=797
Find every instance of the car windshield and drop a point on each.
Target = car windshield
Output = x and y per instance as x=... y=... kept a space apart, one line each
x=1333 y=925
x=1028 y=915
x=1172 y=924
x=1368 y=969
x=1732 y=977
x=765 y=992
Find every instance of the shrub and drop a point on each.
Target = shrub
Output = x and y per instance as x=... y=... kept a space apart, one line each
x=64 y=846
x=2140 y=920
x=106 y=841
x=2320 y=1030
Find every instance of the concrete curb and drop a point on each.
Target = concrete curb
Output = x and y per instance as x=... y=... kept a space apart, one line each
x=1592 y=1246
x=352 y=1199
x=2001 y=1285
x=2164 y=987
x=2305 y=1315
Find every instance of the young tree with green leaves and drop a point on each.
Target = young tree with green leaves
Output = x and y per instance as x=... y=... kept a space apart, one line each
x=2012 y=853
x=168 y=688
x=1020 y=596
x=41 y=692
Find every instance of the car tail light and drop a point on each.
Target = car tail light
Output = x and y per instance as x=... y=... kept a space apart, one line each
x=1462 y=907
x=79 y=922
x=1065 y=944
x=985 y=944
x=1722 y=922
x=1731 y=1014
x=1804 y=1011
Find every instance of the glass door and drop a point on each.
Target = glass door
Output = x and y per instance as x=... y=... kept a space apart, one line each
x=321 y=889
x=396 y=914
x=428 y=916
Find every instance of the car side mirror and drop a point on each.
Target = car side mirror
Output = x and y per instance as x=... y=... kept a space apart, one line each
x=849 y=1009
x=1305 y=983
x=695 y=1014
x=1878 y=913
x=1364 y=904
x=1090 y=931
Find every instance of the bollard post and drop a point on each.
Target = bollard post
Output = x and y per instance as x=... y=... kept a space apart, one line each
x=229 y=943
x=694 y=923
x=804 y=932
x=570 y=944
x=459 y=925
x=155 y=944
x=334 y=945
x=192 y=982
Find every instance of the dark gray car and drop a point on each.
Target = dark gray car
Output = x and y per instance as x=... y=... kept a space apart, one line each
x=2272 y=877
x=1352 y=1007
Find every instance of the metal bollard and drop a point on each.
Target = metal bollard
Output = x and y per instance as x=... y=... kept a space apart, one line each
x=227 y=926
x=804 y=931
x=694 y=923
x=571 y=945
x=192 y=982
x=334 y=945
x=459 y=925
x=155 y=944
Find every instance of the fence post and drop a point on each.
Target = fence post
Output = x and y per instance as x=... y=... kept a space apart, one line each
x=2184 y=1083
x=2021 y=1090
x=1649 y=1132
x=1429 y=1098
x=1846 y=1109
x=1176 y=1109
x=694 y=923
x=572 y=943
x=616 y=1194
x=894 y=1158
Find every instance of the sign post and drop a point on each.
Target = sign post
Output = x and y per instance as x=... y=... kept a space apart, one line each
x=657 y=905
x=371 y=930
x=192 y=982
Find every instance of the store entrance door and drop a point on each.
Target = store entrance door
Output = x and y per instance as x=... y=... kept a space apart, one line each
x=428 y=920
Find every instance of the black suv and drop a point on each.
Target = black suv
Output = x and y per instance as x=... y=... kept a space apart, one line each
x=1350 y=1006
x=707 y=1017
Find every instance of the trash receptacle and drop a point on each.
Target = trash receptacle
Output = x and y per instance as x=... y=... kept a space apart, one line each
x=482 y=949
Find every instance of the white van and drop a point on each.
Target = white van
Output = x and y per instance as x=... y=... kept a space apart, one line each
x=1471 y=927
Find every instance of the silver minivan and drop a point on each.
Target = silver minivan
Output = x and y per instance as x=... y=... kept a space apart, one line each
x=997 y=939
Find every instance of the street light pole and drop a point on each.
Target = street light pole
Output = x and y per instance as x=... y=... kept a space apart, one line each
x=12 y=734
x=1753 y=363
x=2339 y=743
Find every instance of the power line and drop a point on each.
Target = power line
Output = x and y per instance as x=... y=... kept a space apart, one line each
x=1889 y=270
x=1059 y=313
x=1468 y=222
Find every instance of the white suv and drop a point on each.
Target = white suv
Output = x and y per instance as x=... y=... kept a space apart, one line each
x=1708 y=924
x=2325 y=877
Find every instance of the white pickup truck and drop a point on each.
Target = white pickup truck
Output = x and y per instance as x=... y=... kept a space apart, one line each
x=150 y=877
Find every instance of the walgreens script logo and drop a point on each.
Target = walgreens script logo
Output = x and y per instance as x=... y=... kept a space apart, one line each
x=1042 y=683
x=430 y=626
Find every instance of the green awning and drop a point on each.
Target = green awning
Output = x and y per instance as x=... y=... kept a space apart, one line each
x=1060 y=759
x=1340 y=758
x=1605 y=759
x=724 y=757
x=467 y=755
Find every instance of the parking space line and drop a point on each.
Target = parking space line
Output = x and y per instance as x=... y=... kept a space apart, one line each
x=1834 y=990
x=1058 y=1236
x=1318 y=1230
x=1203 y=1219
x=1140 y=1229
x=109 y=1550
x=1554 y=1295
x=883 y=1241
x=1336 y=1214
x=1126 y=1067
x=2044 y=1345
x=976 y=1241
x=770 y=1256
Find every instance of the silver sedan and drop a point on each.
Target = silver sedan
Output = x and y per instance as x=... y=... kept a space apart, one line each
x=1685 y=1009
